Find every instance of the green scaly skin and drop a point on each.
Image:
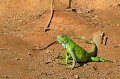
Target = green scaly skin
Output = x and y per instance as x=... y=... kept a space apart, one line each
x=77 y=53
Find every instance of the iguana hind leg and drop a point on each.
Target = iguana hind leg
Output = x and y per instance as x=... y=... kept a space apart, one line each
x=98 y=59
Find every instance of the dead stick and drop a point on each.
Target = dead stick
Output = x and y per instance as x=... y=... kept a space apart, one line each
x=50 y=18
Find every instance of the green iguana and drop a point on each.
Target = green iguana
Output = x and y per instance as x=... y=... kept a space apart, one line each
x=77 y=53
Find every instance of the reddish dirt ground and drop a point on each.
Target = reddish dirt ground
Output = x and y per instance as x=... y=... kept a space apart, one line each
x=22 y=24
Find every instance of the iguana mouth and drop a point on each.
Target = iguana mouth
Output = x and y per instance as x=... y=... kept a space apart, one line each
x=63 y=44
x=59 y=41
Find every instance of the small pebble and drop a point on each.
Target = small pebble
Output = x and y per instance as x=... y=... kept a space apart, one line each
x=48 y=61
x=76 y=76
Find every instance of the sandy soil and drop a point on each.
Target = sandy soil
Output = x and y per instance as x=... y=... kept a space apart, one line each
x=22 y=24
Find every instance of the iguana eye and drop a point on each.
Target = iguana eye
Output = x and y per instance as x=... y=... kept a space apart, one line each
x=62 y=36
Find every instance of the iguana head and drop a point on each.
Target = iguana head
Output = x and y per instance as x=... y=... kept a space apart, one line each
x=62 y=38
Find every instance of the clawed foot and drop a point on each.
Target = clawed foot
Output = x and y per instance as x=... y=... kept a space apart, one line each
x=61 y=56
x=70 y=67
x=62 y=63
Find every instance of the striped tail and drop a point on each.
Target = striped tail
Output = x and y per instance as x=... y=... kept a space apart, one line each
x=94 y=47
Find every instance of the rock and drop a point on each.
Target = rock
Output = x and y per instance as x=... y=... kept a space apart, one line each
x=98 y=38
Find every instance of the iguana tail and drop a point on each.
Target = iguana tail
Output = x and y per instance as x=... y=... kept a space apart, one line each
x=94 y=47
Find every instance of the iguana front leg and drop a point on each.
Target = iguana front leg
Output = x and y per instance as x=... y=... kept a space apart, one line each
x=73 y=57
x=66 y=57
